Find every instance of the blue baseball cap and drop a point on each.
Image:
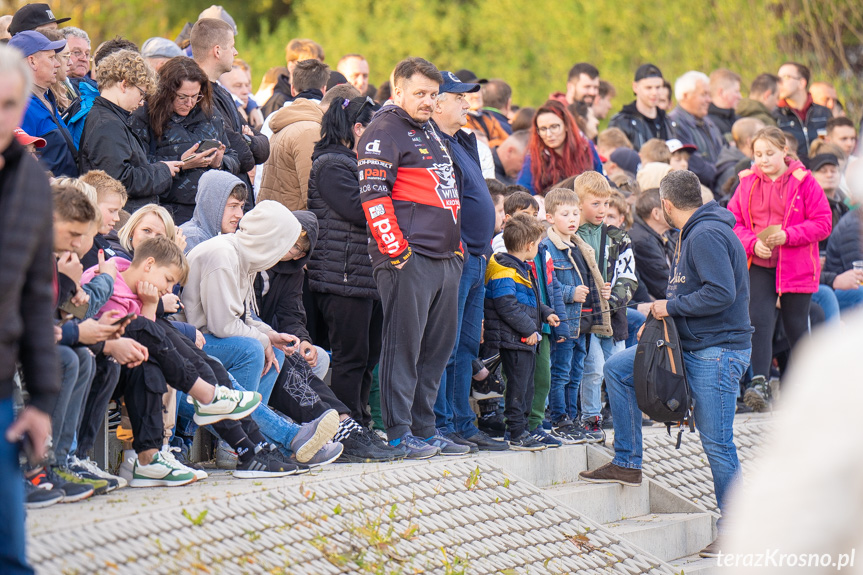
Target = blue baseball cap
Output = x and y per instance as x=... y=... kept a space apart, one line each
x=29 y=42
x=452 y=85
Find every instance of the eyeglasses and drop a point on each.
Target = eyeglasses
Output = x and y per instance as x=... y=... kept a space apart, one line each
x=297 y=251
x=142 y=92
x=78 y=54
x=786 y=77
x=553 y=129
x=64 y=57
x=191 y=99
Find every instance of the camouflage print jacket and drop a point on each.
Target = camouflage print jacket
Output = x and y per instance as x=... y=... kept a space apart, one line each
x=179 y=135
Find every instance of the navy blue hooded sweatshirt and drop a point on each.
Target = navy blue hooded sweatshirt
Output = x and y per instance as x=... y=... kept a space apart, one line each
x=708 y=291
x=477 y=216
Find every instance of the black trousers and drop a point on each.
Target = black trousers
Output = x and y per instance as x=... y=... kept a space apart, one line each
x=175 y=361
x=291 y=392
x=355 y=326
x=103 y=386
x=518 y=366
x=420 y=303
x=763 y=315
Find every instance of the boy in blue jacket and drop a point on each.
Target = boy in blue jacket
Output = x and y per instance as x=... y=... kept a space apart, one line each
x=562 y=211
x=513 y=320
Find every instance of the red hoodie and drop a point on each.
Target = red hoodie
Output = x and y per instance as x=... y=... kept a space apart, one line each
x=806 y=219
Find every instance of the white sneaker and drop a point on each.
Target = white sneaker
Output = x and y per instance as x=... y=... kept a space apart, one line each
x=161 y=472
x=227 y=404
x=168 y=452
x=91 y=467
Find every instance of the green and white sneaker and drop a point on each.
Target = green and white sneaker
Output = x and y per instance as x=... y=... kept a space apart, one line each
x=161 y=472
x=227 y=404
x=168 y=453
x=87 y=468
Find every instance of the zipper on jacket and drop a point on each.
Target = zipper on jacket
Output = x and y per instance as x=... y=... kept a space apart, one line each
x=407 y=236
x=347 y=251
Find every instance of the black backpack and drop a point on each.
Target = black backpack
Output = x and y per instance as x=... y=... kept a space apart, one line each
x=659 y=377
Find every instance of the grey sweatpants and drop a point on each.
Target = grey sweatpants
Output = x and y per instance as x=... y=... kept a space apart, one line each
x=420 y=304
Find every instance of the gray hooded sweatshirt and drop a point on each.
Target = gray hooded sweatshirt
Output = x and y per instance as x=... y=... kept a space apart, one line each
x=219 y=292
x=214 y=187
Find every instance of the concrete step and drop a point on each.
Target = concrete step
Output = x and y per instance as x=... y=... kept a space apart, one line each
x=669 y=536
x=694 y=564
x=603 y=502
x=544 y=468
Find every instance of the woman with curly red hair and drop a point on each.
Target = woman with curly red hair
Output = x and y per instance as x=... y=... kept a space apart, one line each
x=556 y=151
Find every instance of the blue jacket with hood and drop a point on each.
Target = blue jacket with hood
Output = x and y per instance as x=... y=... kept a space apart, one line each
x=708 y=291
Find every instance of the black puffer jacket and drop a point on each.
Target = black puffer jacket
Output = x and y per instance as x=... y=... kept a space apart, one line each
x=340 y=264
x=179 y=135
x=844 y=247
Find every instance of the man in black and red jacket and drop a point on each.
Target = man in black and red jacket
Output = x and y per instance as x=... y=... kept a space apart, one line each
x=412 y=203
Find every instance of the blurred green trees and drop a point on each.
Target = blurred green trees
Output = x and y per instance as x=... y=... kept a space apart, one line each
x=530 y=43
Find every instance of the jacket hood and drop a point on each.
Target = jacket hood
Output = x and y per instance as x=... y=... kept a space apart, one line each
x=301 y=110
x=309 y=223
x=398 y=111
x=334 y=149
x=793 y=165
x=709 y=212
x=214 y=187
x=265 y=235
x=749 y=107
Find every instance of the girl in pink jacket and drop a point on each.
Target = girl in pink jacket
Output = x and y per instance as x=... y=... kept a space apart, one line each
x=782 y=214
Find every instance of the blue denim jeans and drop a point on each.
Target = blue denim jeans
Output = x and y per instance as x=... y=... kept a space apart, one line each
x=452 y=407
x=243 y=357
x=600 y=349
x=13 y=559
x=77 y=367
x=828 y=301
x=849 y=298
x=567 y=366
x=713 y=375
x=277 y=429
x=634 y=320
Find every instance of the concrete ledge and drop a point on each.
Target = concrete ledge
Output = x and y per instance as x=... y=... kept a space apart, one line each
x=668 y=535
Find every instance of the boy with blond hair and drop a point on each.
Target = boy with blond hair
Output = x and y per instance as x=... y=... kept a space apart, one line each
x=605 y=328
x=563 y=212
x=111 y=197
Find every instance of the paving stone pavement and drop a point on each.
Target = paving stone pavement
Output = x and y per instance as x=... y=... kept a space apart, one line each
x=686 y=470
x=441 y=516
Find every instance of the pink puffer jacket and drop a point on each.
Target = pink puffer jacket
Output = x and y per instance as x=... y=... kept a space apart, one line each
x=807 y=221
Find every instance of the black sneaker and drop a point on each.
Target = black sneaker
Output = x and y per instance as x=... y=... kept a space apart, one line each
x=45 y=478
x=492 y=422
x=264 y=463
x=360 y=447
x=592 y=429
x=456 y=438
x=485 y=443
x=525 y=442
x=541 y=436
x=36 y=498
x=567 y=432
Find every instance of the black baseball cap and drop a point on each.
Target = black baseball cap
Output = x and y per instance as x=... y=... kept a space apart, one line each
x=821 y=160
x=31 y=16
x=647 y=71
x=469 y=77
